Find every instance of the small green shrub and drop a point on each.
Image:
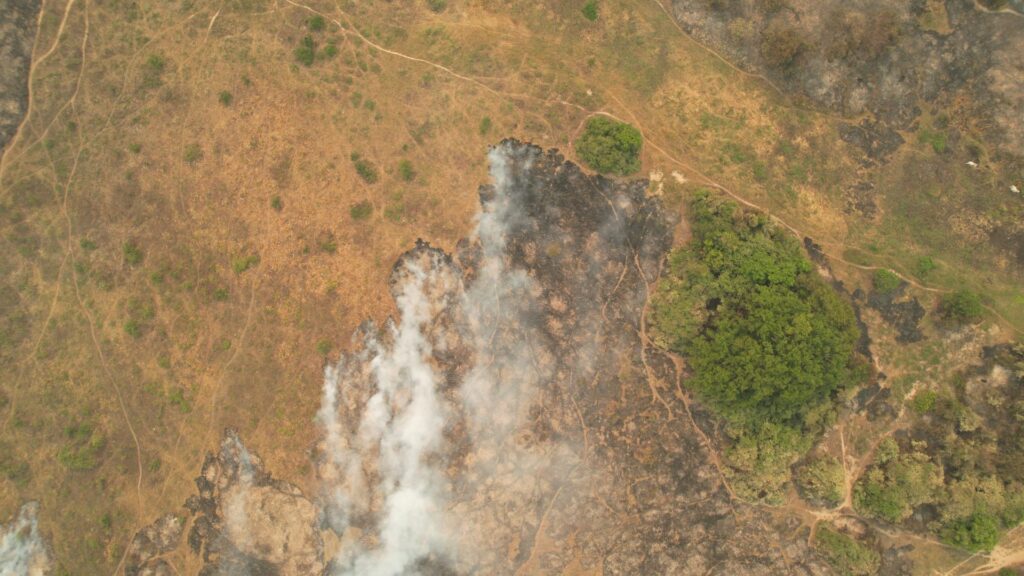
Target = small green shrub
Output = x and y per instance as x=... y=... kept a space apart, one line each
x=221 y=295
x=87 y=245
x=132 y=253
x=133 y=328
x=485 y=125
x=590 y=10
x=193 y=153
x=961 y=307
x=848 y=556
x=924 y=401
x=978 y=532
x=306 y=52
x=935 y=138
x=276 y=203
x=885 y=281
x=243 y=263
x=437 y=6
x=225 y=98
x=610 y=147
x=925 y=265
x=323 y=347
x=361 y=210
x=135 y=148
x=405 y=171
x=366 y=169
x=316 y=23
x=331 y=50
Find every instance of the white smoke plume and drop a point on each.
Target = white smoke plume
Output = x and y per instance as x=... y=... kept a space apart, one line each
x=403 y=423
x=22 y=550
x=505 y=370
x=236 y=519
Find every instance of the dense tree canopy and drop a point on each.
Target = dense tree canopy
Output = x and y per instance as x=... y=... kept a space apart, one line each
x=770 y=343
x=768 y=340
x=610 y=147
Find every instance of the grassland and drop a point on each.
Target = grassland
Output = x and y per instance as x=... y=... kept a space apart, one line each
x=163 y=270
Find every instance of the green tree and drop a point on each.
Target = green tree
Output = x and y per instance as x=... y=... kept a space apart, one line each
x=590 y=10
x=822 y=480
x=610 y=147
x=848 y=556
x=961 y=307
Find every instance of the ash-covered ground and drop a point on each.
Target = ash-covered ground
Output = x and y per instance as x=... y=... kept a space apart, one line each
x=17 y=33
x=512 y=419
x=888 y=59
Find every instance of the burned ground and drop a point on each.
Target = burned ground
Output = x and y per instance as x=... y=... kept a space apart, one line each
x=602 y=468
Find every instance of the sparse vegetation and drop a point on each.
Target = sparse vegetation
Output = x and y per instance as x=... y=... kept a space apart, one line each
x=225 y=98
x=82 y=447
x=305 y=54
x=193 y=153
x=610 y=147
x=437 y=5
x=243 y=263
x=485 y=125
x=132 y=253
x=316 y=23
x=361 y=210
x=406 y=171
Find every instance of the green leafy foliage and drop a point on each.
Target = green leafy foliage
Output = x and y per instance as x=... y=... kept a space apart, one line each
x=590 y=10
x=225 y=98
x=366 y=169
x=897 y=483
x=610 y=147
x=848 y=556
x=822 y=480
x=961 y=307
x=770 y=343
x=305 y=54
x=924 y=401
x=925 y=265
x=885 y=281
x=406 y=171
x=316 y=23
x=485 y=125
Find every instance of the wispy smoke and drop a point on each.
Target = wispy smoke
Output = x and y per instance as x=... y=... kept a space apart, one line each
x=403 y=422
x=22 y=550
x=236 y=519
x=405 y=419
x=497 y=308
